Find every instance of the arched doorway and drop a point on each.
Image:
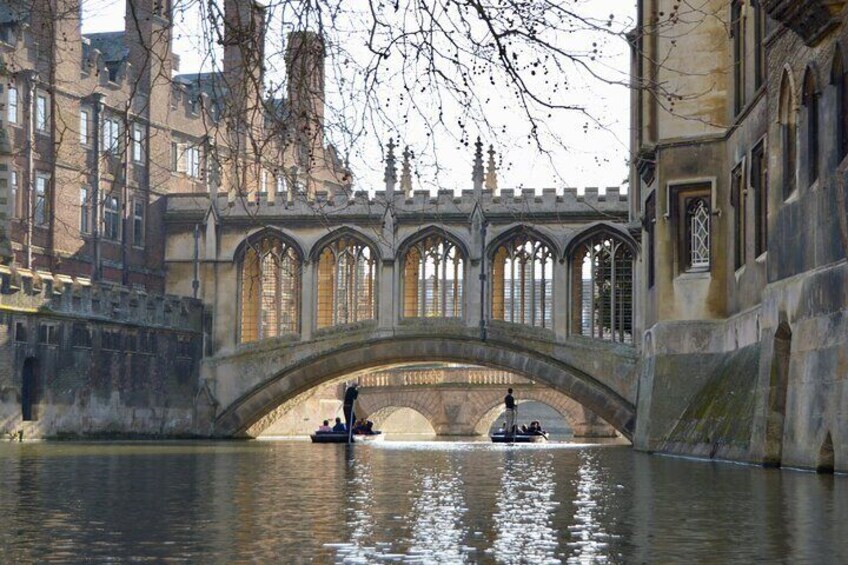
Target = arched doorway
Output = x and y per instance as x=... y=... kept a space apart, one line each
x=778 y=390
x=29 y=389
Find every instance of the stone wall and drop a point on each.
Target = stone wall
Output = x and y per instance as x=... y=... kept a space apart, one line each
x=767 y=386
x=745 y=358
x=97 y=360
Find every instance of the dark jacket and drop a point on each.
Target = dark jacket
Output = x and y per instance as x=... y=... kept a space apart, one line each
x=350 y=395
x=509 y=402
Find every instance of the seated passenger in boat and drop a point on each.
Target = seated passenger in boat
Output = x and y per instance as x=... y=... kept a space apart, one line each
x=535 y=427
x=325 y=427
x=359 y=428
x=369 y=428
x=339 y=427
x=524 y=429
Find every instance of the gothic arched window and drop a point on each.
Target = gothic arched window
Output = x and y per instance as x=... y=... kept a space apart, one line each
x=432 y=279
x=270 y=290
x=788 y=136
x=346 y=282
x=604 y=294
x=810 y=100
x=522 y=281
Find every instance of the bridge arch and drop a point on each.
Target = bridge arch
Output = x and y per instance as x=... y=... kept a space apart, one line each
x=577 y=417
x=283 y=378
x=382 y=414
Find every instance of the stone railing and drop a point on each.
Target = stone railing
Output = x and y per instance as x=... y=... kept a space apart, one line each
x=440 y=376
x=39 y=291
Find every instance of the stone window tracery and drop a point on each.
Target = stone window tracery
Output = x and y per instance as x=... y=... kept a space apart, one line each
x=692 y=212
x=698 y=223
x=270 y=290
x=433 y=279
x=346 y=283
x=522 y=281
x=604 y=289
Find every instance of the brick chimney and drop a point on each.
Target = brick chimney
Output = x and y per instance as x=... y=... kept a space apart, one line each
x=244 y=53
x=305 y=69
x=148 y=25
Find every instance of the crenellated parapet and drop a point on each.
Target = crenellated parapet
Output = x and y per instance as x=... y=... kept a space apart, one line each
x=43 y=292
x=342 y=203
x=482 y=197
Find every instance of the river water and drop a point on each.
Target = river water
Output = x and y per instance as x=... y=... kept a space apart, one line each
x=406 y=502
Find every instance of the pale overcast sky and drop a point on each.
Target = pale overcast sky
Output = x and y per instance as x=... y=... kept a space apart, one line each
x=594 y=156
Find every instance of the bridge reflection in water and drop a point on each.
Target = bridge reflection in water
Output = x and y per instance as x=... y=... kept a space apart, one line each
x=445 y=399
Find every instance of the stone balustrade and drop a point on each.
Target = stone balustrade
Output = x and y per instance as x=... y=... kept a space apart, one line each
x=402 y=377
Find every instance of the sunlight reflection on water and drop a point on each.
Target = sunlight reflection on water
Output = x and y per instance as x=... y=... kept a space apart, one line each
x=524 y=518
x=406 y=502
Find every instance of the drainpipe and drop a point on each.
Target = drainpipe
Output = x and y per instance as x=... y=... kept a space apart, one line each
x=195 y=284
x=125 y=197
x=32 y=77
x=95 y=189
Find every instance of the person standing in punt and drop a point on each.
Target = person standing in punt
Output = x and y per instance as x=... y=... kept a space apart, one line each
x=349 y=398
x=509 y=413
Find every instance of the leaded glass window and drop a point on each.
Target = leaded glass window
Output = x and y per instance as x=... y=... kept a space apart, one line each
x=270 y=290
x=698 y=222
x=433 y=277
x=522 y=281
x=346 y=283
x=605 y=293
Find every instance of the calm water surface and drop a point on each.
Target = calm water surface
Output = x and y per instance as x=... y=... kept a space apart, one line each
x=406 y=502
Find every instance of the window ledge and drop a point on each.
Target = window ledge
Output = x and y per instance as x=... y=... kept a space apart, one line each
x=695 y=275
x=762 y=257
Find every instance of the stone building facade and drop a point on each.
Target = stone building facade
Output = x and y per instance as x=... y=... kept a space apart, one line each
x=98 y=129
x=739 y=144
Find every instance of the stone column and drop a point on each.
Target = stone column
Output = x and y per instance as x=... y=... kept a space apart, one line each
x=387 y=294
x=307 y=300
x=226 y=308
x=471 y=293
x=562 y=308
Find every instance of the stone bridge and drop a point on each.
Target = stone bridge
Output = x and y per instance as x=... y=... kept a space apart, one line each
x=252 y=383
x=464 y=401
x=303 y=290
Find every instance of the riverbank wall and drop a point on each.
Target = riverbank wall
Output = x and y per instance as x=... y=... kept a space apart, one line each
x=767 y=386
x=81 y=359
